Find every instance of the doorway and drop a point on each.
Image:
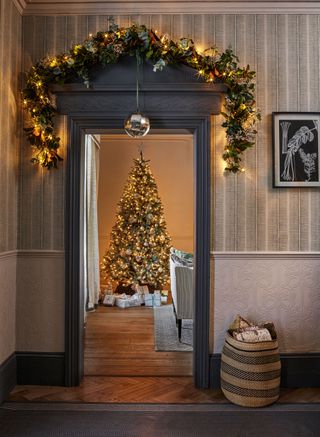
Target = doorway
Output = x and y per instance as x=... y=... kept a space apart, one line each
x=199 y=128
x=140 y=338
x=172 y=99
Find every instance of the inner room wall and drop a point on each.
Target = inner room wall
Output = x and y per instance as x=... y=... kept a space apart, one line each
x=171 y=162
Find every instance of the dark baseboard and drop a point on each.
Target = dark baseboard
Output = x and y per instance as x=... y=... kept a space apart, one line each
x=297 y=370
x=300 y=370
x=214 y=369
x=8 y=376
x=40 y=368
x=45 y=368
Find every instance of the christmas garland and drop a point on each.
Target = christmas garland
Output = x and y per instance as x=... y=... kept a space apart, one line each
x=240 y=114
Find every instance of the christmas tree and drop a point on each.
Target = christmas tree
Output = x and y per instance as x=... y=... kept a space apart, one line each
x=139 y=243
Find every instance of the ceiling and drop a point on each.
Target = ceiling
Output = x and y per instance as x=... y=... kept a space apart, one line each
x=142 y=7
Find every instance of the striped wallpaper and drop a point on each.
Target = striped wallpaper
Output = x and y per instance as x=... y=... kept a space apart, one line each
x=248 y=214
x=10 y=59
x=10 y=130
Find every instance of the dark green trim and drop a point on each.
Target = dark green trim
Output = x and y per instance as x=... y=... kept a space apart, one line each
x=297 y=370
x=8 y=376
x=40 y=368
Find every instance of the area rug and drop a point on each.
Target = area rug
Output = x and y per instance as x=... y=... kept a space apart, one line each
x=100 y=420
x=166 y=331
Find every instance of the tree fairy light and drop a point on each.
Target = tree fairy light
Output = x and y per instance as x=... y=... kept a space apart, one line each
x=139 y=247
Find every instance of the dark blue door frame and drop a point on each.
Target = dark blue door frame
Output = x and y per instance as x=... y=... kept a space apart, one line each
x=178 y=102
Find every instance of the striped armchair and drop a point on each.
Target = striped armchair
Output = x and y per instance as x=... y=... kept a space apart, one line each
x=181 y=279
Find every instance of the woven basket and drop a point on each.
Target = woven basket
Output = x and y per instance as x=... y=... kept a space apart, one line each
x=250 y=372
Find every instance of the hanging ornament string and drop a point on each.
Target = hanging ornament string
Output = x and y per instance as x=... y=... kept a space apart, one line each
x=137 y=124
x=137 y=83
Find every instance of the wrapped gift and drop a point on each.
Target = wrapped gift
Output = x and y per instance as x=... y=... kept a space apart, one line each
x=157 y=301
x=141 y=291
x=152 y=300
x=157 y=298
x=138 y=298
x=148 y=300
x=134 y=300
x=122 y=301
x=109 y=300
x=164 y=296
x=125 y=301
x=141 y=298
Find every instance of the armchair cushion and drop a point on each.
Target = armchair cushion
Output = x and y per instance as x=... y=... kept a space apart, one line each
x=184 y=298
x=181 y=257
x=181 y=278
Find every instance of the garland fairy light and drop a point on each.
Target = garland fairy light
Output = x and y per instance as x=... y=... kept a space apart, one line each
x=240 y=114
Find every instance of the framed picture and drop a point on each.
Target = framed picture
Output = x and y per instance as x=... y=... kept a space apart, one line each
x=296 y=149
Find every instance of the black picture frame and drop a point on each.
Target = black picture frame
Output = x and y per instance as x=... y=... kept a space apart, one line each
x=296 y=149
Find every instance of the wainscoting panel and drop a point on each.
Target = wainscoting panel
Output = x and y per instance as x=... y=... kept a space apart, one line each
x=8 y=376
x=8 y=265
x=279 y=287
x=40 y=301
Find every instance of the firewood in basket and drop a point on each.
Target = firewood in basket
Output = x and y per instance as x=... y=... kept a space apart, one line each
x=239 y=323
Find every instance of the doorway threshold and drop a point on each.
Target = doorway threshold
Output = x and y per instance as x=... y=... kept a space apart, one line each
x=122 y=389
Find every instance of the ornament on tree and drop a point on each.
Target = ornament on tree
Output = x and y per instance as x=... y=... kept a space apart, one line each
x=139 y=248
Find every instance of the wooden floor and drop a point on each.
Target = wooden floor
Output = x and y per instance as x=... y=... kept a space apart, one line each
x=142 y=389
x=119 y=345
x=120 y=342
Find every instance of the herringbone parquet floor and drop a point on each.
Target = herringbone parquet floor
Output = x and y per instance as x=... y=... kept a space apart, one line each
x=123 y=389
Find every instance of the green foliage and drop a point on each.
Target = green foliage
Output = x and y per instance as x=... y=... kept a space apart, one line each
x=106 y=48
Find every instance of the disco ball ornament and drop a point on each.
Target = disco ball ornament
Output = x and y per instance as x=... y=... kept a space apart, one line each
x=137 y=125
